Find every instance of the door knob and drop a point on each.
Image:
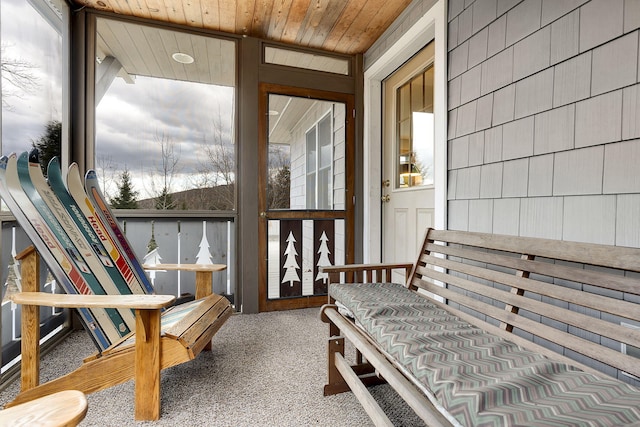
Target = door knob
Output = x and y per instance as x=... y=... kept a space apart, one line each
x=386 y=183
x=263 y=214
x=385 y=198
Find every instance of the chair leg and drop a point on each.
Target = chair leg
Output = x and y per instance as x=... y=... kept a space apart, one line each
x=147 y=377
x=30 y=328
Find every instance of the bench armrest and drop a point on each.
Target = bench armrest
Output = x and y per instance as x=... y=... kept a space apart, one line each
x=142 y=302
x=362 y=273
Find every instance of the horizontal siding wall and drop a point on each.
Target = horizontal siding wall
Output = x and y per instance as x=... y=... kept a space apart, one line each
x=544 y=119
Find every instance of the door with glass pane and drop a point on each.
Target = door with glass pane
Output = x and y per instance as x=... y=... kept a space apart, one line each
x=407 y=196
x=306 y=193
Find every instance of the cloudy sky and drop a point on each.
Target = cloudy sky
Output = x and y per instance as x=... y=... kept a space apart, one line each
x=26 y=113
x=131 y=119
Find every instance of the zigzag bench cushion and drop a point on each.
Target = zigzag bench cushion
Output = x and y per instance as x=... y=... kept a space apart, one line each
x=479 y=378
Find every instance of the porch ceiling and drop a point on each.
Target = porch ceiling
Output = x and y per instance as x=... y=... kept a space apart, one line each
x=342 y=26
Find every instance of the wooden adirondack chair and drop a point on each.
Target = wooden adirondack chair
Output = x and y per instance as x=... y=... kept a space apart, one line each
x=63 y=409
x=159 y=338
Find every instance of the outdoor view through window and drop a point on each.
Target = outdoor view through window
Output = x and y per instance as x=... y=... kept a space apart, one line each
x=165 y=118
x=32 y=67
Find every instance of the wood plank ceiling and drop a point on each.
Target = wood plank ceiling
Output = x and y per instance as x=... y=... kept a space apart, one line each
x=341 y=26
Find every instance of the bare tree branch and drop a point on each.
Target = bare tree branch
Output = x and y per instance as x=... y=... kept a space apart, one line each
x=168 y=169
x=18 y=74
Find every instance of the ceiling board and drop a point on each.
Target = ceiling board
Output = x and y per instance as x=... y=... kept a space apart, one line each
x=341 y=26
x=146 y=51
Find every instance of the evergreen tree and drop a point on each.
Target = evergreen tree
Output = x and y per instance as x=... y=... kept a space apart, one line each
x=165 y=200
x=126 y=198
x=50 y=144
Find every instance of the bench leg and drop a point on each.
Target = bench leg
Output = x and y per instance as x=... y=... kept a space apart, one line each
x=147 y=377
x=336 y=383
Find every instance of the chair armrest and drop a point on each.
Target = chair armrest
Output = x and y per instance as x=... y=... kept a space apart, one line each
x=362 y=273
x=63 y=408
x=204 y=274
x=142 y=302
x=185 y=267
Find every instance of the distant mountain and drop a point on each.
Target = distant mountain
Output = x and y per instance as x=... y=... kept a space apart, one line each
x=221 y=197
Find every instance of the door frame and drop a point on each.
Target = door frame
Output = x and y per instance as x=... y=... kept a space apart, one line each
x=265 y=89
x=431 y=25
x=405 y=212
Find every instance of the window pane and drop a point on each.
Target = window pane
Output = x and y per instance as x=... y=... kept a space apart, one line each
x=428 y=90
x=324 y=189
x=415 y=131
x=32 y=113
x=417 y=94
x=311 y=151
x=165 y=115
x=314 y=132
x=404 y=103
x=311 y=191
x=325 y=141
x=32 y=67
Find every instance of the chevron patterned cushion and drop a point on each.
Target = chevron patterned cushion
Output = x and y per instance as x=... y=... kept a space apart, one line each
x=480 y=378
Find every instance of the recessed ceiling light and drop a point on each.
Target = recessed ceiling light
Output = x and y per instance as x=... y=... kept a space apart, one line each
x=182 y=58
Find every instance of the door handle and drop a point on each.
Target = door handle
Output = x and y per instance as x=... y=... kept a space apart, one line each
x=385 y=198
x=386 y=183
x=263 y=214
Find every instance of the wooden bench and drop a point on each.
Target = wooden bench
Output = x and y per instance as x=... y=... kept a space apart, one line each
x=493 y=330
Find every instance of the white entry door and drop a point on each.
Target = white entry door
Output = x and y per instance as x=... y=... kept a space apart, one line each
x=408 y=158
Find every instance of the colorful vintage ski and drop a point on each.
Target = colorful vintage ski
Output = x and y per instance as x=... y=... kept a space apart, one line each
x=83 y=213
x=65 y=230
x=92 y=188
x=59 y=259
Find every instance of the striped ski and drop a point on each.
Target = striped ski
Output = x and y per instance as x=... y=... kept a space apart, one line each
x=80 y=209
x=92 y=188
x=68 y=234
x=59 y=259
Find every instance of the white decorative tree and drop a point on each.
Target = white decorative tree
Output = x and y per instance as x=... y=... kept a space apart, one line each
x=290 y=262
x=324 y=252
x=51 y=283
x=204 y=256
x=153 y=258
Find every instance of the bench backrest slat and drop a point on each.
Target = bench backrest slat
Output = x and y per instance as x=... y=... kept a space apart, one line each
x=604 y=255
x=574 y=318
x=580 y=345
x=574 y=298
x=608 y=305
x=575 y=273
